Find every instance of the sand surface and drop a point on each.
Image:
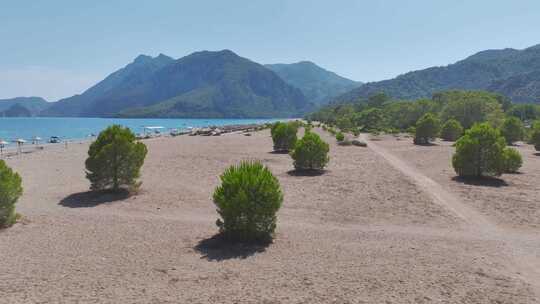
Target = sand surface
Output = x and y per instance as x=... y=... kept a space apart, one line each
x=366 y=231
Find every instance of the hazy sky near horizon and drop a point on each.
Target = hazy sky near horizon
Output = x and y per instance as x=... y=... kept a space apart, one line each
x=58 y=48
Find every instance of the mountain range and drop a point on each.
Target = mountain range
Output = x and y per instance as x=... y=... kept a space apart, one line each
x=511 y=72
x=222 y=84
x=317 y=84
x=203 y=84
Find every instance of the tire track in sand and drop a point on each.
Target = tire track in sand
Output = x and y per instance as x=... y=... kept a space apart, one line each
x=527 y=262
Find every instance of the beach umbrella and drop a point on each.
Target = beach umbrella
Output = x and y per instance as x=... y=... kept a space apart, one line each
x=36 y=140
x=3 y=144
x=19 y=142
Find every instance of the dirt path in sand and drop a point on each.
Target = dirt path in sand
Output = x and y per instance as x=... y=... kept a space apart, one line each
x=518 y=247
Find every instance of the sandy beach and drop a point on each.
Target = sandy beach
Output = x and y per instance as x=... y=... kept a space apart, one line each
x=371 y=229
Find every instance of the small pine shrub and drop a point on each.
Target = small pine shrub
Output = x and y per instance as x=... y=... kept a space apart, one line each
x=512 y=160
x=115 y=160
x=451 y=130
x=284 y=136
x=512 y=130
x=247 y=201
x=356 y=132
x=427 y=128
x=10 y=191
x=310 y=153
x=340 y=137
x=480 y=152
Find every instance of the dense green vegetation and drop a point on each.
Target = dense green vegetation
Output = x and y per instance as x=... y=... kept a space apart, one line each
x=115 y=160
x=284 y=136
x=10 y=191
x=380 y=113
x=247 y=201
x=310 y=153
x=480 y=152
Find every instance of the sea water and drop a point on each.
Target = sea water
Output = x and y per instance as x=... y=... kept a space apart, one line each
x=81 y=128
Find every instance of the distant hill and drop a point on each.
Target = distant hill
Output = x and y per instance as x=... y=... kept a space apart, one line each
x=318 y=85
x=203 y=84
x=482 y=71
x=34 y=105
x=16 y=110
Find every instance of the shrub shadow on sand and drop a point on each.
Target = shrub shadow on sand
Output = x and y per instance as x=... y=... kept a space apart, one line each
x=91 y=199
x=279 y=152
x=481 y=181
x=537 y=154
x=307 y=172
x=219 y=248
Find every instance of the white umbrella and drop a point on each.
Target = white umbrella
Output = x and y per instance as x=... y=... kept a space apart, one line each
x=19 y=142
x=3 y=143
x=36 y=140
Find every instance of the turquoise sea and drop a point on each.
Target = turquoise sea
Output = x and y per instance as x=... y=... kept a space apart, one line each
x=81 y=128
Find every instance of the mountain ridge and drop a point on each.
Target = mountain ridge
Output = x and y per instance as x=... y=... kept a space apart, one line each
x=476 y=72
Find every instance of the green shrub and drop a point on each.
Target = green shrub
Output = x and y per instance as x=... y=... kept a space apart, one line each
x=512 y=130
x=284 y=136
x=356 y=132
x=340 y=136
x=479 y=152
x=310 y=153
x=535 y=135
x=451 y=130
x=10 y=191
x=512 y=160
x=115 y=160
x=427 y=128
x=247 y=201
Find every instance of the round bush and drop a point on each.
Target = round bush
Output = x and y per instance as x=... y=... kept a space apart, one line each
x=247 y=201
x=340 y=136
x=115 y=160
x=10 y=191
x=512 y=130
x=512 y=160
x=284 y=136
x=479 y=152
x=310 y=153
x=451 y=130
x=427 y=128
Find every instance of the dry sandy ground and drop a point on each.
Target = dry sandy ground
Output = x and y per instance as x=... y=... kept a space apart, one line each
x=363 y=232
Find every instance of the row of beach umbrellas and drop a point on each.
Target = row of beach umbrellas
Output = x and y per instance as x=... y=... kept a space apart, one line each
x=19 y=142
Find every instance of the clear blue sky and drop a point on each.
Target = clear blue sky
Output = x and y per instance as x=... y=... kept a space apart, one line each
x=55 y=48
